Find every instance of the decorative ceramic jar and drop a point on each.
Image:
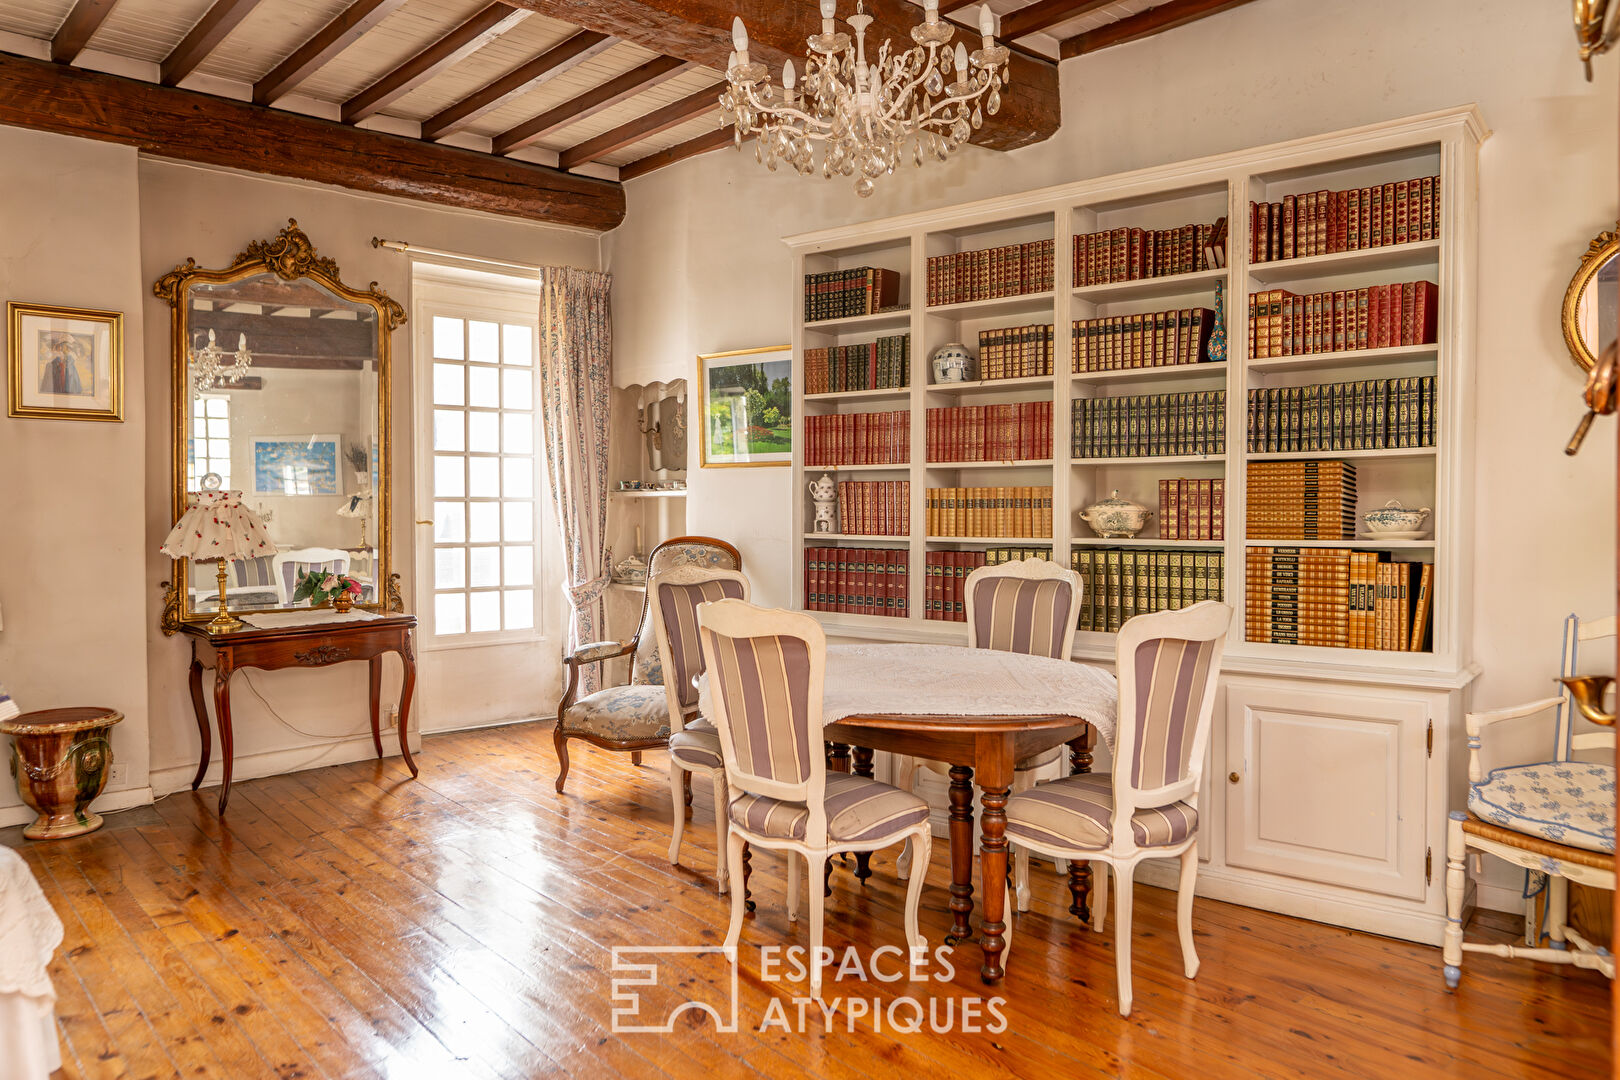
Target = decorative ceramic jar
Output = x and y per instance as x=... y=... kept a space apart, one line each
x=632 y=571
x=342 y=602
x=1393 y=521
x=1115 y=518
x=953 y=363
x=60 y=759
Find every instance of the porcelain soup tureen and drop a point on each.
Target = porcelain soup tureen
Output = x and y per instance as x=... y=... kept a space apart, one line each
x=1115 y=518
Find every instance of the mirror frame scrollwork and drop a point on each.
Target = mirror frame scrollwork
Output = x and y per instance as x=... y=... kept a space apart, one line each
x=1605 y=246
x=290 y=256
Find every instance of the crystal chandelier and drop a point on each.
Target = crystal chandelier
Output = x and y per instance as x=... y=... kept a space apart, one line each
x=865 y=116
x=209 y=369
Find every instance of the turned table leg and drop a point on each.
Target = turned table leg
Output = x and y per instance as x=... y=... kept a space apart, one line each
x=961 y=828
x=863 y=767
x=1080 y=876
x=837 y=761
x=201 y=709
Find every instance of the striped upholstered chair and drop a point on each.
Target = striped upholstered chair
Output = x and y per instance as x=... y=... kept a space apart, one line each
x=694 y=746
x=1031 y=606
x=765 y=671
x=1167 y=665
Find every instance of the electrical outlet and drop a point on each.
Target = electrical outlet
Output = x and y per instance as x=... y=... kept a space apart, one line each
x=115 y=775
x=391 y=716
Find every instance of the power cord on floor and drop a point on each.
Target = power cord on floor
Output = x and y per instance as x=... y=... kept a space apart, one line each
x=284 y=722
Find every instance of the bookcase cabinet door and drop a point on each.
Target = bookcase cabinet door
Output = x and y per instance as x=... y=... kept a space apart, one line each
x=1327 y=784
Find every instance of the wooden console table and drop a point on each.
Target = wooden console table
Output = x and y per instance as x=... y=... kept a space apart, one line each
x=297 y=646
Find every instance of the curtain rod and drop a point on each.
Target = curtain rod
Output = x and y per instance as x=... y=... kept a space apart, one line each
x=403 y=248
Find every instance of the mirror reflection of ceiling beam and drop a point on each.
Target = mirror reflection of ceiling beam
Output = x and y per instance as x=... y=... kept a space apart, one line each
x=282 y=294
x=268 y=335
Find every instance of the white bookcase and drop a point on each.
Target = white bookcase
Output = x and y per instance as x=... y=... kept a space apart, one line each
x=1332 y=769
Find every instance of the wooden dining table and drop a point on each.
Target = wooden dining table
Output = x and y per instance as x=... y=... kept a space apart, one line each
x=931 y=703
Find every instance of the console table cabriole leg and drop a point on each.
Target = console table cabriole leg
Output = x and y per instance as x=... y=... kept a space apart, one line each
x=407 y=689
x=201 y=709
x=376 y=665
x=222 y=712
x=961 y=828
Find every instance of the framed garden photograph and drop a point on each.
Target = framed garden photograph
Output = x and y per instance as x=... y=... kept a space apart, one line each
x=64 y=363
x=297 y=465
x=745 y=399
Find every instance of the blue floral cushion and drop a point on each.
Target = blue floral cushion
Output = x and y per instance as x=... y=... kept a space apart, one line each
x=620 y=713
x=1567 y=802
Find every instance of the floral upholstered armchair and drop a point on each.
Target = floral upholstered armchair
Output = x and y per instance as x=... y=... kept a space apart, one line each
x=634 y=717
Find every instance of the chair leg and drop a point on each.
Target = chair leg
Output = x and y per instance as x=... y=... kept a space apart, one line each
x=1184 y=903
x=793 y=886
x=1021 y=879
x=813 y=864
x=1099 y=895
x=1557 y=910
x=734 y=849
x=1451 y=950
x=722 y=829
x=904 y=779
x=1122 y=935
x=560 y=741
x=924 y=850
x=635 y=758
x=677 y=802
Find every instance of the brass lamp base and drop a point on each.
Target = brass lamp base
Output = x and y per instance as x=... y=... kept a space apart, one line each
x=223 y=622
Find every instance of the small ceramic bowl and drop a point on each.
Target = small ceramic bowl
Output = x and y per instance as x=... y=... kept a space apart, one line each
x=1393 y=517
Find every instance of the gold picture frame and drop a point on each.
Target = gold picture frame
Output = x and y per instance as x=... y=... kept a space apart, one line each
x=717 y=435
x=1583 y=302
x=64 y=363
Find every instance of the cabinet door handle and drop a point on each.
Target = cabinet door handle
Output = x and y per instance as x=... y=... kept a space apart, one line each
x=1232 y=777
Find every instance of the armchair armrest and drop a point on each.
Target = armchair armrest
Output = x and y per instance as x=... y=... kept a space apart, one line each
x=1475 y=722
x=594 y=651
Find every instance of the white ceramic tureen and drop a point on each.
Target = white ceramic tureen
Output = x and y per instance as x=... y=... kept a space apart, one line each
x=1116 y=518
x=1393 y=521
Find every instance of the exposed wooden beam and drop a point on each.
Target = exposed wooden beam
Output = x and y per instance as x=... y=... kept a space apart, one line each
x=1043 y=13
x=349 y=26
x=203 y=38
x=700 y=31
x=520 y=80
x=1143 y=24
x=714 y=140
x=286 y=335
x=78 y=28
x=655 y=71
x=643 y=127
x=176 y=123
x=463 y=41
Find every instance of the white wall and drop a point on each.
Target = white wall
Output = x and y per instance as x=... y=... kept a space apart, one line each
x=72 y=590
x=699 y=267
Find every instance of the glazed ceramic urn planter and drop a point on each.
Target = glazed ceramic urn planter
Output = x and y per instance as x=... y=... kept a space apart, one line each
x=60 y=759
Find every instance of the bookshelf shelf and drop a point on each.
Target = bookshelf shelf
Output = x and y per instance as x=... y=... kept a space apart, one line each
x=1345 y=358
x=1021 y=304
x=1173 y=459
x=1028 y=463
x=882 y=320
x=1145 y=374
x=1409 y=256
x=901 y=467
x=865 y=538
x=1151 y=288
x=861 y=395
x=1347 y=455
x=1147 y=542
x=1364 y=543
x=990 y=385
x=647 y=494
x=994 y=541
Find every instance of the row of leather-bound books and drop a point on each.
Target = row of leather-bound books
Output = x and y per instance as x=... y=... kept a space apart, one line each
x=1338 y=597
x=1369 y=414
x=990 y=511
x=1016 y=431
x=1326 y=222
x=1119 y=584
x=857 y=581
x=1301 y=500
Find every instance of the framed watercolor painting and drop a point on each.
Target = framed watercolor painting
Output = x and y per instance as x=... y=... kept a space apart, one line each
x=297 y=465
x=745 y=399
x=64 y=363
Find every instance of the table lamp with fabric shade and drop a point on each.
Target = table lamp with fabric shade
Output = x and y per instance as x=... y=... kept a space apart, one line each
x=217 y=527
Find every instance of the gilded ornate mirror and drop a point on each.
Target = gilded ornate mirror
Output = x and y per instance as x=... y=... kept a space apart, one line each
x=280 y=391
x=1590 y=316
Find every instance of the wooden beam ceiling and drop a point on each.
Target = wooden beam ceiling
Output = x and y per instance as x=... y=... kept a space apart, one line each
x=520 y=80
x=349 y=26
x=176 y=123
x=1143 y=24
x=282 y=335
x=203 y=38
x=655 y=71
x=714 y=140
x=700 y=31
x=77 y=29
x=1044 y=13
x=674 y=114
x=466 y=39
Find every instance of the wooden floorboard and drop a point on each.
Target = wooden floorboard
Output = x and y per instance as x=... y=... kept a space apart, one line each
x=349 y=922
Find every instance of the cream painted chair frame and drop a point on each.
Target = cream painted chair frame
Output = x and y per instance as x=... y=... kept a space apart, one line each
x=1023 y=779
x=739 y=619
x=1562 y=864
x=1209 y=620
x=690 y=575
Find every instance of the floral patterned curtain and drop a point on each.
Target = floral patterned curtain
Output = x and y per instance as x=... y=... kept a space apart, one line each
x=576 y=365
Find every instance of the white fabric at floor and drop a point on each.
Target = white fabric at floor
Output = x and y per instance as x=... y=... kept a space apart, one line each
x=29 y=934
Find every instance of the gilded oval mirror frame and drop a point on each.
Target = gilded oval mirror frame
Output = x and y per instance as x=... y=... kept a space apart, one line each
x=1581 y=318
x=290 y=269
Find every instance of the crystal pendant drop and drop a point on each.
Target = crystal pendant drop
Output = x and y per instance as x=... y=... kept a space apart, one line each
x=959 y=130
x=863 y=187
x=993 y=103
x=935 y=85
x=978 y=118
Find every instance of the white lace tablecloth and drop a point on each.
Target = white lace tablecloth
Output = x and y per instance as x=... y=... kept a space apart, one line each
x=29 y=934
x=280 y=620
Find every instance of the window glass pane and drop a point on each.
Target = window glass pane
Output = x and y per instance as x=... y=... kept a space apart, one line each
x=447 y=479
x=519 y=389
x=519 y=609
x=219 y=429
x=449 y=429
x=519 y=565
x=219 y=448
x=447 y=384
x=519 y=344
x=450 y=613
x=486 y=566
x=484 y=477
x=517 y=433
x=519 y=522
x=450 y=568
x=218 y=406
x=483 y=430
x=447 y=344
x=483 y=342
x=486 y=611
x=449 y=522
x=484 y=526
x=483 y=387
x=519 y=477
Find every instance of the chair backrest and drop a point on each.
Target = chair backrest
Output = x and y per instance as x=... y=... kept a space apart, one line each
x=765 y=674
x=287 y=565
x=675 y=596
x=646 y=667
x=1029 y=606
x=1167 y=665
x=1577 y=633
x=256 y=572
